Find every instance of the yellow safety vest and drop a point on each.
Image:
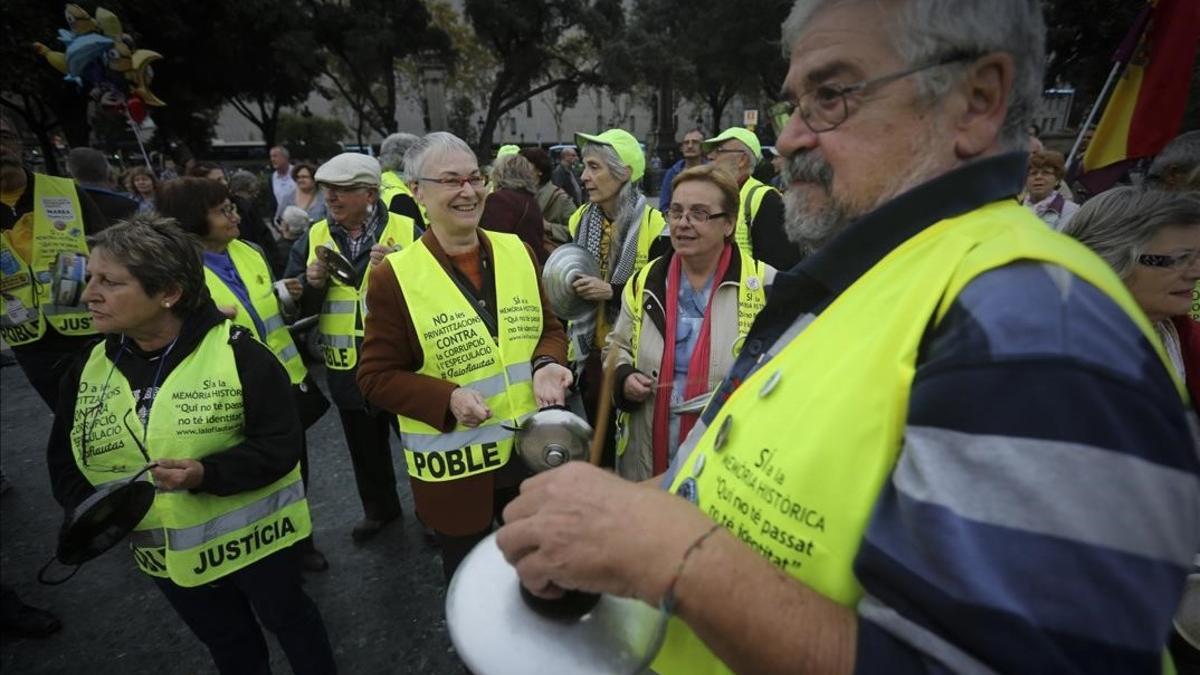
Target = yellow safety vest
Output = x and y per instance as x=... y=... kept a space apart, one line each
x=191 y=538
x=341 y=322
x=750 y=197
x=458 y=348
x=752 y=297
x=801 y=493
x=25 y=285
x=255 y=274
x=390 y=185
x=651 y=228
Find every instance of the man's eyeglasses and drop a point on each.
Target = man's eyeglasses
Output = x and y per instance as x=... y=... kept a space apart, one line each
x=456 y=182
x=695 y=216
x=726 y=151
x=1169 y=262
x=342 y=189
x=229 y=209
x=827 y=107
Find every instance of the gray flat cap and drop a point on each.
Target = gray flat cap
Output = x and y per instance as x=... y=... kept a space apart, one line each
x=349 y=169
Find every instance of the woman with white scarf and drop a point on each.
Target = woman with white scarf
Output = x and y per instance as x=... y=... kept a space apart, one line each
x=621 y=231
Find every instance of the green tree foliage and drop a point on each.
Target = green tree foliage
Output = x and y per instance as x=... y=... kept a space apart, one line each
x=363 y=41
x=310 y=136
x=537 y=46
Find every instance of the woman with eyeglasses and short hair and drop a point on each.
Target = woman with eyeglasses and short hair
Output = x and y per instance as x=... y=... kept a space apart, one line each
x=178 y=387
x=682 y=321
x=1151 y=238
x=460 y=346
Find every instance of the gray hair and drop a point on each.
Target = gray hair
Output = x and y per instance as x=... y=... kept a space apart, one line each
x=627 y=203
x=1118 y=224
x=88 y=165
x=515 y=173
x=160 y=255
x=392 y=150
x=1179 y=158
x=928 y=30
x=282 y=148
x=435 y=144
x=242 y=182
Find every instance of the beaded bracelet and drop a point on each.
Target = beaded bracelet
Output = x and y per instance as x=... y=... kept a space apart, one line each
x=668 y=599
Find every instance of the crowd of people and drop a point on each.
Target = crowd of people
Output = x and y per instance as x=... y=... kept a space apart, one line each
x=908 y=408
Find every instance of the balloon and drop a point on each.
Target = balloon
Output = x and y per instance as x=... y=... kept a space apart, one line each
x=136 y=107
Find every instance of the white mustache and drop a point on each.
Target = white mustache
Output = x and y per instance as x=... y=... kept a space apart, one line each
x=808 y=167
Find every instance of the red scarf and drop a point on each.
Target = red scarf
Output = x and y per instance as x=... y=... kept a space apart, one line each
x=697 y=372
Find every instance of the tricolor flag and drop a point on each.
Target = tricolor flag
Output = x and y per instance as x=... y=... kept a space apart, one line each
x=1147 y=105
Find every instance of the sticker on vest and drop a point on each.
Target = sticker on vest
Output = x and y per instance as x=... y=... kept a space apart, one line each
x=752 y=283
x=59 y=210
x=9 y=263
x=16 y=313
x=461 y=347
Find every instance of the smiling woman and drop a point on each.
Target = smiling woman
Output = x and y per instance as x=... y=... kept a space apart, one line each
x=460 y=346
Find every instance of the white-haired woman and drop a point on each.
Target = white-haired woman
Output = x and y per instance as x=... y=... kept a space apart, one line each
x=512 y=206
x=1151 y=238
x=622 y=231
x=460 y=345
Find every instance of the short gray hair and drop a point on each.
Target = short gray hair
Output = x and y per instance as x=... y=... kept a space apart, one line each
x=432 y=145
x=88 y=165
x=160 y=255
x=515 y=173
x=1181 y=156
x=1118 y=224
x=928 y=30
x=242 y=182
x=392 y=150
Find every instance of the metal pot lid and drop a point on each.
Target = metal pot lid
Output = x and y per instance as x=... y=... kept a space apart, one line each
x=566 y=264
x=552 y=437
x=496 y=633
x=104 y=519
x=338 y=265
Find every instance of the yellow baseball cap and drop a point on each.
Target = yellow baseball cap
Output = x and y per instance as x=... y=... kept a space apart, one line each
x=744 y=135
x=626 y=146
x=507 y=150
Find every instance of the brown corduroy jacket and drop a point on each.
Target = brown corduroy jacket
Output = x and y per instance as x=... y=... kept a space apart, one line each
x=391 y=355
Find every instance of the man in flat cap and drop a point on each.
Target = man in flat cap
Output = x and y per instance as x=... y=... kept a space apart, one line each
x=332 y=262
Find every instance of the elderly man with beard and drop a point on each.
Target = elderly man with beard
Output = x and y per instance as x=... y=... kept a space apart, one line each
x=950 y=442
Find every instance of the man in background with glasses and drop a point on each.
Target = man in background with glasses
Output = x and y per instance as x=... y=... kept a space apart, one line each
x=690 y=156
x=950 y=442
x=759 y=220
x=360 y=231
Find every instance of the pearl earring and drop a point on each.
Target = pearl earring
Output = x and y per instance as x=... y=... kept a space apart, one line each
x=166 y=304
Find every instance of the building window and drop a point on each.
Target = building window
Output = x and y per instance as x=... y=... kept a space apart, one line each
x=529 y=108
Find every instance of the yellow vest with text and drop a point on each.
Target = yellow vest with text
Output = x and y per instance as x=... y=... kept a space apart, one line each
x=256 y=276
x=25 y=285
x=750 y=197
x=651 y=228
x=192 y=538
x=457 y=347
x=810 y=438
x=390 y=185
x=752 y=297
x=341 y=321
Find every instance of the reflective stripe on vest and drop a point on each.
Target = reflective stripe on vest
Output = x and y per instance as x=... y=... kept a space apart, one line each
x=197 y=412
x=340 y=324
x=801 y=494
x=751 y=195
x=752 y=297
x=256 y=277
x=457 y=347
x=26 y=284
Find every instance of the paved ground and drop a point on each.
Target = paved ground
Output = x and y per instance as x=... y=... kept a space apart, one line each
x=382 y=602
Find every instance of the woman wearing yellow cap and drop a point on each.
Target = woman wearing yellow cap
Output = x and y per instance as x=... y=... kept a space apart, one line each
x=621 y=231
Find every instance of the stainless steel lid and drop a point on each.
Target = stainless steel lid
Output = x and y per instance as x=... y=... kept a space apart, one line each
x=566 y=264
x=552 y=437
x=496 y=633
x=339 y=267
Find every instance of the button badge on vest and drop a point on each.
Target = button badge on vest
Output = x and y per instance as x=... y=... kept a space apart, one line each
x=722 y=434
x=769 y=385
x=698 y=466
x=687 y=490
